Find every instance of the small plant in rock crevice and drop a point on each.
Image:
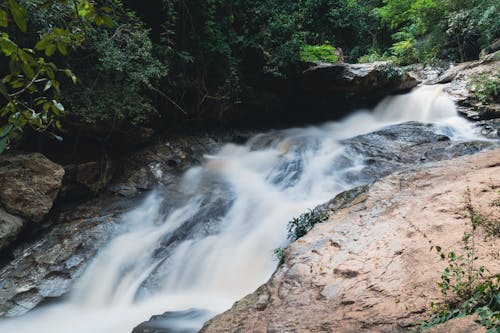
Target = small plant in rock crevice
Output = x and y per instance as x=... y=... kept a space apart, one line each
x=299 y=226
x=279 y=254
x=464 y=284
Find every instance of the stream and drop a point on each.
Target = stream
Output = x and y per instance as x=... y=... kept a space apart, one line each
x=195 y=249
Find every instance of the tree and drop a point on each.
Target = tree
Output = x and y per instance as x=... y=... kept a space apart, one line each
x=31 y=84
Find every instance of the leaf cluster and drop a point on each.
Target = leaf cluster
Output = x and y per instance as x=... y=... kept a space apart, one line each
x=299 y=226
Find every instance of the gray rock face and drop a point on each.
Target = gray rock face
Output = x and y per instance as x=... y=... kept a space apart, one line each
x=45 y=268
x=404 y=145
x=173 y=322
x=29 y=185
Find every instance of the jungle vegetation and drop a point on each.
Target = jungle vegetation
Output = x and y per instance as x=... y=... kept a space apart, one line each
x=129 y=62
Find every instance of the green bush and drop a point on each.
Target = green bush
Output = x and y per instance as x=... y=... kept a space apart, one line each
x=485 y=88
x=279 y=254
x=299 y=226
x=321 y=53
x=371 y=56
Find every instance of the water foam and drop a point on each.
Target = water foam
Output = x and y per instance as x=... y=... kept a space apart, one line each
x=274 y=177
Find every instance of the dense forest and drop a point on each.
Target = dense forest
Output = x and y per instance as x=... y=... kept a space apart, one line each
x=126 y=63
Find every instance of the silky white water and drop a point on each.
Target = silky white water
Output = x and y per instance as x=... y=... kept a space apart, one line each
x=241 y=198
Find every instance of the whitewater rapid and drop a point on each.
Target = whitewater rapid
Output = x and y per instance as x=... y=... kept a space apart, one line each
x=236 y=206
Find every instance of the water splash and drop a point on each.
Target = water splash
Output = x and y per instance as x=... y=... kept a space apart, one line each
x=216 y=245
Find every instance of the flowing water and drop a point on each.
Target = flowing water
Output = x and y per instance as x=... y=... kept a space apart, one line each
x=210 y=242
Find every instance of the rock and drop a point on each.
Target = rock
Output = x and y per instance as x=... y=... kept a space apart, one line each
x=398 y=146
x=490 y=128
x=375 y=79
x=29 y=184
x=458 y=80
x=173 y=322
x=369 y=268
x=459 y=325
x=493 y=47
x=46 y=267
x=87 y=178
x=10 y=228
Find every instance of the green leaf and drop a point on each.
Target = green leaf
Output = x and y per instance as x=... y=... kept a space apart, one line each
x=70 y=74
x=43 y=43
x=5 y=130
x=48 y=85
x=62 y=48
x=28 y=70
x=7 y=46
x=50 y=50
x=18 y=14
x=106 y=9
x=58 y=105
x=3 y=144
x=3 y=89
x=4 y=19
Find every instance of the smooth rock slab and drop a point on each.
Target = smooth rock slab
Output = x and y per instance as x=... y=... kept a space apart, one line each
x=369 y=269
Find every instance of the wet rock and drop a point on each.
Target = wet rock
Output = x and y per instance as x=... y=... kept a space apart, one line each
x=46 y=268
x=490 y=128
x=369 y=268
x=10 y=228
x=29 y=185
x=173 y=322
x=81 y=180
x=399 y=146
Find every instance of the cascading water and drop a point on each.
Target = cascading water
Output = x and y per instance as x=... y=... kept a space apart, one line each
x=212 y=242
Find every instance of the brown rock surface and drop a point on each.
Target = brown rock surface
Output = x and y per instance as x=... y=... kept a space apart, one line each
x=459 y=325
x=369 y=268
x=29 y=184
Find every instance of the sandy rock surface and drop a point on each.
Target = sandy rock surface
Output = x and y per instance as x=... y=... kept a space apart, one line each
x=369 y=268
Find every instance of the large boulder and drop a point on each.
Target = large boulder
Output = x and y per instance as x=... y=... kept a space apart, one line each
x=375 y=79
x=29 y=185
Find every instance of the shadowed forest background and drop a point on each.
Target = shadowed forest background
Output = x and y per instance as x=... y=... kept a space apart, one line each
x=109 y=65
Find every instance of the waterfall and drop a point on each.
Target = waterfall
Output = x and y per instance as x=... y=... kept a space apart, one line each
x=215 y=245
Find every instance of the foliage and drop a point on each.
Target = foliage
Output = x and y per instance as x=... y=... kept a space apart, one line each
x=471 y=292
x=299 y=226
x=31 y=85
x=453 y=29
x=279 y=254
x=371 y=56
x=179 y=59
x=322 y=53
x=389 y=72
x=485 y=88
